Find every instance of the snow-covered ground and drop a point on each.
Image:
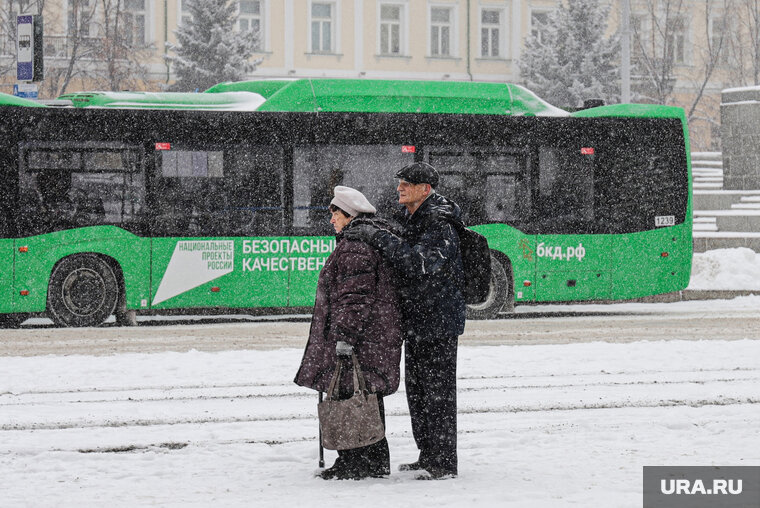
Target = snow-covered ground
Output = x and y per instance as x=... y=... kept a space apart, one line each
x=553 y=425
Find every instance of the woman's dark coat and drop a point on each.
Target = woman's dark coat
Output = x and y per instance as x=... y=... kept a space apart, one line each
x=356 y=303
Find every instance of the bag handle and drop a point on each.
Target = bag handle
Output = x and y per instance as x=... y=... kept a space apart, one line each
x=358 y=376
x=334 y=381
x=360 y=386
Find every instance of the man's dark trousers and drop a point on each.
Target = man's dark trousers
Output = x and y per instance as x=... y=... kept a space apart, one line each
x=431 y=390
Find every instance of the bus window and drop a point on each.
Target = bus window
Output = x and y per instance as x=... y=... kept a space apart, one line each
x=488 y=186
x=253 y=186
x=318 y=169
x=565 y=191
x=234 y=191
x=68 y=185
x=644 y=177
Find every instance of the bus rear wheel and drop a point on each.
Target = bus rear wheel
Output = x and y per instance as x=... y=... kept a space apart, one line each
x=499 y=294
x=83 y=291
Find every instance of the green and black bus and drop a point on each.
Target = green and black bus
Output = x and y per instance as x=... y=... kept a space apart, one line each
x=117 y=206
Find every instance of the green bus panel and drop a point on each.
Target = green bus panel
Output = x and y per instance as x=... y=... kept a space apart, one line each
x=216 y=272
x=311 y=259
x=237 y=272
x=7 y=251
x=572 y=267
x=651 y=262
x=573 y=286
x=33 y=267
x=520 y=249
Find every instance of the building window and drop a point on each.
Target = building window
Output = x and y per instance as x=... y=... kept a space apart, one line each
x=8 y=39
x=134 y=18
x=322 y=24
x=539 y=21
x=639 y=38
x=441 y=31
x=391 y=24
x=80 y=14
x=677 y=40
x=720 y=39
x=250 y=19
x=491 y=33
x=317 y=169
x=184 y=13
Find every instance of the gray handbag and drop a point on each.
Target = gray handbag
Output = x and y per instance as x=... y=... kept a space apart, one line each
x=350 y=423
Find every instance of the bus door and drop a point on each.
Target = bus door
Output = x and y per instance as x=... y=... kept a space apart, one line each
x=218 y=233
x=572 y=254
x=492 y=187
x=7 y=253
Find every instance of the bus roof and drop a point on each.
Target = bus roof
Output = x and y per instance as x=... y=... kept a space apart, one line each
x=337 y=95
x=227 y=101
x=633 y=110
x=12 y=100
x=360 y=96
x=393 y=96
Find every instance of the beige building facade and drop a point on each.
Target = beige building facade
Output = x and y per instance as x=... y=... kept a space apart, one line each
x=458 y=40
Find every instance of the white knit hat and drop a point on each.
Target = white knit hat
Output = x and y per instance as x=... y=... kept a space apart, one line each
x=351 y=201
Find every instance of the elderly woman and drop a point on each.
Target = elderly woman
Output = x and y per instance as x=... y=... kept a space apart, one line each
x=356 y=304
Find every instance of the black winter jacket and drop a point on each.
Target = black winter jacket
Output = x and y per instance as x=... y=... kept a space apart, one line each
x=428 y=261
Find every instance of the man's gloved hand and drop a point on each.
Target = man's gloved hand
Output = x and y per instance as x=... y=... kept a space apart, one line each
x=343 y=348
x=363 y=232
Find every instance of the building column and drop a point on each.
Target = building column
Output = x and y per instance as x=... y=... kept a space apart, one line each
x=517 y=37
x=289 y=36
x=359 y=36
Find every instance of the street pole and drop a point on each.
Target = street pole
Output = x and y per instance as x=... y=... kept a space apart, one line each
x=625 y=52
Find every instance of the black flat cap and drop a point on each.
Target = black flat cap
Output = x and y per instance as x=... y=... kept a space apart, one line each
x=419 y=172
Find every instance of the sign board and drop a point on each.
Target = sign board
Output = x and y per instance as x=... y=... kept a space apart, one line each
x=29 y=50
x=25 y=90
x=25 y=54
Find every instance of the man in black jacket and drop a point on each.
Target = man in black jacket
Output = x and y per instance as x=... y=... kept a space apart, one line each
x=428 y=260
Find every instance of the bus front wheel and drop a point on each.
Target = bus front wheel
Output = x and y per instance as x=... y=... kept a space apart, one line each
x=83 y=291
x=499 y=294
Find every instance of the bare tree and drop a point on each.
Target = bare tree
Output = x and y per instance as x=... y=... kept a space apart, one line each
x=710 y=53
x=79 y=45
x=100 y=46
x=743 y=43
x=656 y=47
x=668 y=62
x=122 y=49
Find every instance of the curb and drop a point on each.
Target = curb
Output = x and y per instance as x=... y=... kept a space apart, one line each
x=697 y=294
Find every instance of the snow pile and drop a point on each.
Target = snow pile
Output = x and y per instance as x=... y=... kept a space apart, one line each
x=725 y=269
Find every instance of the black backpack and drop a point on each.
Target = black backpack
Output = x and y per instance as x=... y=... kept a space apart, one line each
x=476 y=262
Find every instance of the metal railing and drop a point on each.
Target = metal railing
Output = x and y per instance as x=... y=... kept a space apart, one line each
x=56 y=46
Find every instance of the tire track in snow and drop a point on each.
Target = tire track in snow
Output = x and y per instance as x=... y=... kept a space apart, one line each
x=717 y=401
x=621 y=397
x=243 y=391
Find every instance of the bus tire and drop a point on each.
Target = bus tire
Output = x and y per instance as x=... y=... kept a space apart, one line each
x=12 y=320
x=499 y=294
x=83 y=291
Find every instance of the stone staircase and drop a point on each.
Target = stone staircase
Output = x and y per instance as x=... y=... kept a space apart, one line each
x=722 y=218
